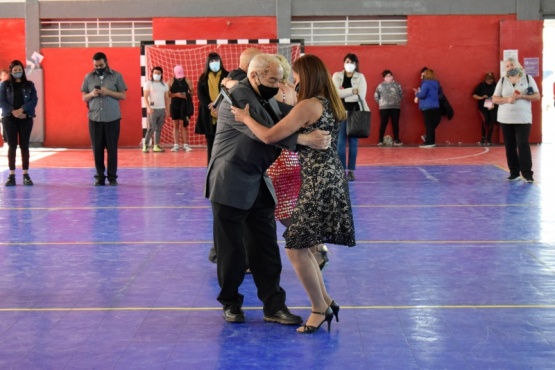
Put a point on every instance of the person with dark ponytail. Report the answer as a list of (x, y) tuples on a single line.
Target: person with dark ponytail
[(18, 100)]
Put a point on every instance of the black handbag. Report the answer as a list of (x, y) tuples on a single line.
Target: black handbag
[(358, 122)]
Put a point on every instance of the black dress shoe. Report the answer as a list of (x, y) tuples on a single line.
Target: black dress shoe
[(233, 314), (284, 317), (113, 182), (99, 182)]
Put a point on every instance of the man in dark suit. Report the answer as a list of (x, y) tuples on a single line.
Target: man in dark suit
[(243, 197)]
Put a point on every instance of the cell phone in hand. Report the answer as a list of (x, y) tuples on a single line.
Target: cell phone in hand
[(227, 96), (97, 87)]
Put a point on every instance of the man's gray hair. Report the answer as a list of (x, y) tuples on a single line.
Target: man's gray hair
[(262, 63)]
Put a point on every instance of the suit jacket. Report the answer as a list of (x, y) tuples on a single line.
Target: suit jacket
[(239, 160)]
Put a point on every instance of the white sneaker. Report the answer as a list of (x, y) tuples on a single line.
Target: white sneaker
[(187, 148), (175, 147)]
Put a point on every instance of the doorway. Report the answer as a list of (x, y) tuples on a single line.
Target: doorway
[(548, 83)]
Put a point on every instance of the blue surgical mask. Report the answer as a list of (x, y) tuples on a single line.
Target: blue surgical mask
[(17, 75), (214, 66)]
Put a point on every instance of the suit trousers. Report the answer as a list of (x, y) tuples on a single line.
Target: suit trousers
[(252, 231), (105, 135)]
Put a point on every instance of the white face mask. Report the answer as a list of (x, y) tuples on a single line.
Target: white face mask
[(214, 66), (157, 77), (349, 67)]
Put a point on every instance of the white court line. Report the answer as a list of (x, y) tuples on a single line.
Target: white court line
[(427, 174)]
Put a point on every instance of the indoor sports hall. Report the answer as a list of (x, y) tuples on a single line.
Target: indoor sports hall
[(454, 266)]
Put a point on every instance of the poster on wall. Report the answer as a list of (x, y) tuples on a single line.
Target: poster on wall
[(513, 53), (532, 66)]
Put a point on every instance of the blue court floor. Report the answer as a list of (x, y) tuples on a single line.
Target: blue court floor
[(454, 268)]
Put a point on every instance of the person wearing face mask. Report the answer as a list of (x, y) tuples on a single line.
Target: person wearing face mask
[(488, 111), (18, 100), (323, 211), (515, 93), (102, 90), (243, 197), (351, 85), (388, 95), (208, 89), (157, 99), (181, 107)]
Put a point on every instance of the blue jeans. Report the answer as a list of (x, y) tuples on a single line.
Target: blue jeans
[(342, 147)]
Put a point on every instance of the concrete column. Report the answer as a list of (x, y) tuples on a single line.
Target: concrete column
[(32, 28)]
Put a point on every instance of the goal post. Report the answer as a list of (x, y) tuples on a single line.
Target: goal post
[(191, 54)]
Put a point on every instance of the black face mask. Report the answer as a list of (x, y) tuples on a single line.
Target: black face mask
[(267, 92), (100, 71)]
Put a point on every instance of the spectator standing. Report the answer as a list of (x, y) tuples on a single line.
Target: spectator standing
[(388, 95), (157, 99), (18, 100), (208, 90), (181, 107), (515, 93), (102, 89), (351, 85), (483, 93), (427, 96)]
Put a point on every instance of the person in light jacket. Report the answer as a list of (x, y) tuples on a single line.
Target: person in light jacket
[(351, 85)]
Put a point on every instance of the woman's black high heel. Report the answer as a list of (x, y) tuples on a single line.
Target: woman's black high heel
[(308, 329), (335, 308)]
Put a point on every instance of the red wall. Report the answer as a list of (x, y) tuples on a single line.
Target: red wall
[(214, 28), (13, 41), (459, 48), (66, 121)]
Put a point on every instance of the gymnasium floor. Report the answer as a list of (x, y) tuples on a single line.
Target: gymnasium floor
[(454, 268)]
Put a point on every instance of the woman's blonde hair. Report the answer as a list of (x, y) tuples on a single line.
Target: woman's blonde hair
[(315, 80), (286, 68)]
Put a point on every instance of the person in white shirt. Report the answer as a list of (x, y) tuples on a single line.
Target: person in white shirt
[(515, 93), (157, 101)]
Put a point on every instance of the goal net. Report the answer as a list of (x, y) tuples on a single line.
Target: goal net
[(191, 54)]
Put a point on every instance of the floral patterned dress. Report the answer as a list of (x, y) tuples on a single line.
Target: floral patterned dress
[(323, 212)]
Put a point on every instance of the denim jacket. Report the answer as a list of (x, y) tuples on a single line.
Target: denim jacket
[(30, 98)]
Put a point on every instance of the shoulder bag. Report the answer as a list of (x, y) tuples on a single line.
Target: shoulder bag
[(358, 122)]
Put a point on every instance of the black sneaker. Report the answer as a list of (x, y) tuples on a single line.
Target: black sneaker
[(27, 180), (113, 182), (11, 180), (529, 179), (99, 182), (513, 177)]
